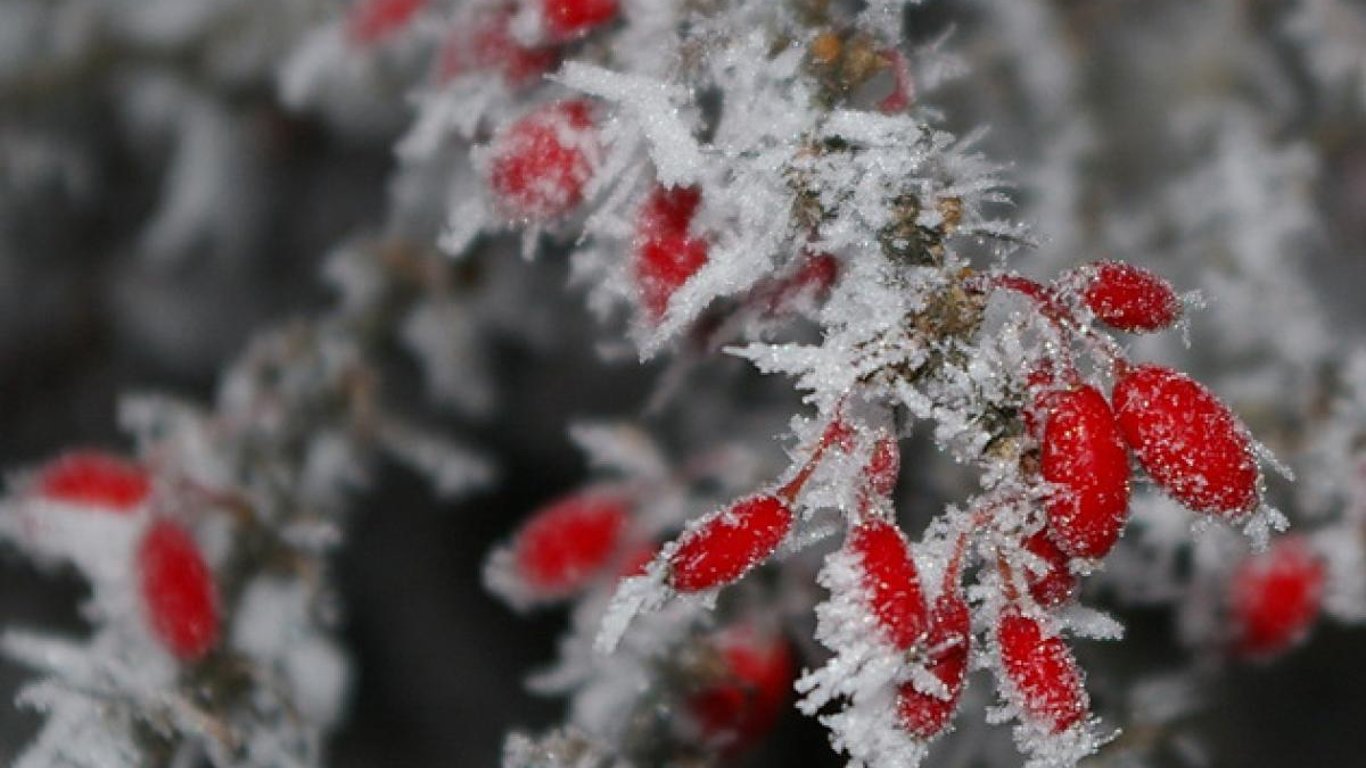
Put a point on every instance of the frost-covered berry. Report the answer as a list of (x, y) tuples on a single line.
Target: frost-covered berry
[(177, 591), (752, 684), (890, 581), (567, 543), (1130, 298), (539, 166), (565, 19), (94, 479), (1083, 455), (1187, 440), (1274, 598), (883, 466), (373, 21), (1045, 679), (1055, 585), (484, 44), (666, 255), (729, 543), (946, 657)]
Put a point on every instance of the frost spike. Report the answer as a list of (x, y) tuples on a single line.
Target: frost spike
[(1042, 672), (1187, 441), (729, 543), (891, 581), (1083, 455)]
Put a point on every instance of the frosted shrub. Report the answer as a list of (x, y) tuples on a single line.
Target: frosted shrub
[(778, 183)]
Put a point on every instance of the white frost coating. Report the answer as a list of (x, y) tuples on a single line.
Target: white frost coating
[(654, 106), (620, 447)]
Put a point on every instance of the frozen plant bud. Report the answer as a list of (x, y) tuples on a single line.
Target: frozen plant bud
[(539, 165), (177, 591), (1084, 457), (1130, 298), (1187, 441)]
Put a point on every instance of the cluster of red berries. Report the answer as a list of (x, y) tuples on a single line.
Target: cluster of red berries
[(174, 582), (587, 538)]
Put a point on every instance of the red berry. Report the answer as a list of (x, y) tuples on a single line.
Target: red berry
[(755, 680), (372, 21), (665, 254), (540, 165), (96, 479), (637, 560), (890, 580), (883, 467), (565, 19), (177, 591), (1130, 298), (570, 541), (814, 277), (729, 543), (485, 44), (1056, 584), (1187, 441), (1275, 597), (1083, 455), (947, 645), (1042, 672)]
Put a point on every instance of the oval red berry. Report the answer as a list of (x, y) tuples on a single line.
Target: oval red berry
[(755, 681), (1130, 298), (883, 467), (566, 19), (666, 255), (1275, 597), (1187, 441), (484, 44), (1042, 672), (540, 165), (729, 543), (374, 21), (566, 544), (1083, 456), (947, 645), (177, 591), (95, 479), (890, 581), (1056, 584)]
